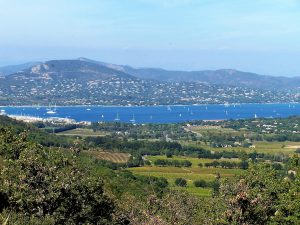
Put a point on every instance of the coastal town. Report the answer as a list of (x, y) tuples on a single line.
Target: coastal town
[(42, 88)]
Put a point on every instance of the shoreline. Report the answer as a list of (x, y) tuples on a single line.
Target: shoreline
[(129, 106)]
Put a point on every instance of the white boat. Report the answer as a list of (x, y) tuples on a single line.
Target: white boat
[(255, 116), (51, 112), (133, 119), (117, 118), (88, 109)]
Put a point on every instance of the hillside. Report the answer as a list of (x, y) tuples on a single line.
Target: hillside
[(7, 70), (227, 77), (83, 81), (223, 77)]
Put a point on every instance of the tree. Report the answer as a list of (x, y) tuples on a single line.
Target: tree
[(200, 183), (253, 198), (187, 163), (46, 183), (181, 182)]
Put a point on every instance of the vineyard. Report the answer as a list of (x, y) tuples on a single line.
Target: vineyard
[(115, 157)]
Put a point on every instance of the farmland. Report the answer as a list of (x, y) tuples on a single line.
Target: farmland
[(115, 157), (83, 132), (191, 174), (275, 147)]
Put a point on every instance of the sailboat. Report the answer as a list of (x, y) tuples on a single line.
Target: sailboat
[(169, 108), (50, 111), (133, 119), (255, 116), (117, 118)]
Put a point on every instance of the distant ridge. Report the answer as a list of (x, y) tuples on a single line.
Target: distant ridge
[(83, 81), (227, 77), (224, 77)]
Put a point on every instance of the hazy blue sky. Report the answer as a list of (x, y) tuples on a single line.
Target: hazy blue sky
[(252, 35)]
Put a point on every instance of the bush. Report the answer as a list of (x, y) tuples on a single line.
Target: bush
[(169, 154), (200, 183), (181, 182)]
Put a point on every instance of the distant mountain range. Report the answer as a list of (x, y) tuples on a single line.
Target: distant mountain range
[(84, 81), (219, 77), (227, 77)]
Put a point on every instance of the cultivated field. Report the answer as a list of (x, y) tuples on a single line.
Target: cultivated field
[(115, 157), (194, 161), (260, 146), (189, 173), (83, 132)]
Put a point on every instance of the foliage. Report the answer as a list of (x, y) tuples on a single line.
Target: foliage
[(181, 182), (39, 183)]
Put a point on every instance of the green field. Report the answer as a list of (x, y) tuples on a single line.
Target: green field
[(83, 132), (260, 146), (189, 173), (275, 147), (212, 129), (194, 161)]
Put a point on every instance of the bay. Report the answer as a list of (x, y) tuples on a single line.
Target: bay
[(159, 114)]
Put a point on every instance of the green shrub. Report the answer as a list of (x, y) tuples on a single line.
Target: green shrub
[(181, 182)]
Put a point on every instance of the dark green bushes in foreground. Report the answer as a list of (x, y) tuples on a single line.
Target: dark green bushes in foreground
[(39, 183)]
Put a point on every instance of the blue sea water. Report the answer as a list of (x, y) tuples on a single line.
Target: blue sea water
[(161, 114)]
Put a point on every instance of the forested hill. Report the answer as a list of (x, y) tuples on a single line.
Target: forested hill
[(83, 81)]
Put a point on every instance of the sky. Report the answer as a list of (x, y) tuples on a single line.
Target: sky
[(261, 36)]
